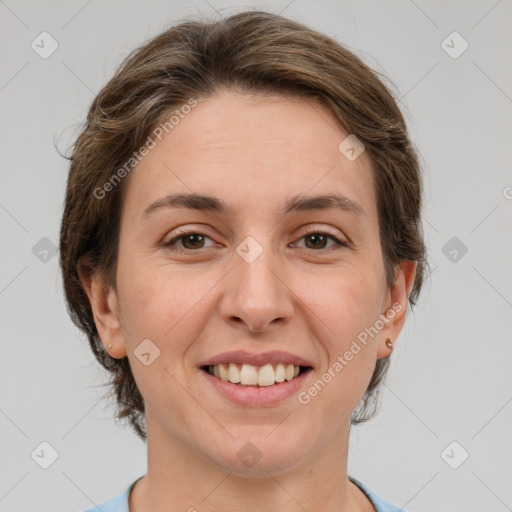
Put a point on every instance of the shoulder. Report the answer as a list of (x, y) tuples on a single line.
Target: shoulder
[(379, 504), (117, 504)]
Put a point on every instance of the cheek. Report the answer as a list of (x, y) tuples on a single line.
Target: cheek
[(163, 305), (347, 308), (351, 308), (160, 301), (351, 302)]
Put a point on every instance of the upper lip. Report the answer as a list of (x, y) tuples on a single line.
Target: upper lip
[(241, 357)]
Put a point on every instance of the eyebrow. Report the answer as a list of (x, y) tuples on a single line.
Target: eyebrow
[(297, 203)]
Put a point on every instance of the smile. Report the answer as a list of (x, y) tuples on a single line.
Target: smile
[(251, 375)]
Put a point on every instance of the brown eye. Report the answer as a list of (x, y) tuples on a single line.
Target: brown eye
[(318, 240), (195, 240), (189, 241)]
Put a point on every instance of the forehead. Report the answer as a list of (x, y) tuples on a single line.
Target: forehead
[(252, 150)]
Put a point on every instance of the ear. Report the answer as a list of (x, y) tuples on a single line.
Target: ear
[(105, 309), (396, 303)]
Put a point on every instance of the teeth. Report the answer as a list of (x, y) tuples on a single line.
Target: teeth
[(280, 373), (234, 374), (266, 375), (249, 375), (289, 372), (222, 371)]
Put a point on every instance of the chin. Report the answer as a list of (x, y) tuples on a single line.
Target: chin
[(258, 456)]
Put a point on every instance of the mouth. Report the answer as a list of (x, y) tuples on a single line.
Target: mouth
[(248, 375)]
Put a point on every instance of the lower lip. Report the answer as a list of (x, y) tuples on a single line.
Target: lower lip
[(255, 396)]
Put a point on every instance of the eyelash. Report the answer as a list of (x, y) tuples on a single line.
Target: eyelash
[(169, 245)]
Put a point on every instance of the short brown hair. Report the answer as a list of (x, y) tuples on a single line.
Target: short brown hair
[(248, 52)]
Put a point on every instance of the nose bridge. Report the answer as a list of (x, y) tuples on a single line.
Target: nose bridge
[(255, 293)]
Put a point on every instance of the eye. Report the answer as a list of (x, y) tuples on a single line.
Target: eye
[(318, 240), (193, 240), (190, 240)]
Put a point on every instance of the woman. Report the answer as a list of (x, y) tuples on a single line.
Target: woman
[(240, 241)]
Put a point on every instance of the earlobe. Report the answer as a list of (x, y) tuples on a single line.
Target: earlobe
[(105, 310), (396, 307)]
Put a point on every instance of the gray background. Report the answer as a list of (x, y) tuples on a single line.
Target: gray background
[(450, 375)]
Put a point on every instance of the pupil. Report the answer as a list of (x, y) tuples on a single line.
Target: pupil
[(316, 237), (195, 239)]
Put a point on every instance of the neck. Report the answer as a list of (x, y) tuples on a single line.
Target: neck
[(181, 479)]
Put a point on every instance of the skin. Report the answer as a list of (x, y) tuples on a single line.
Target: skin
[(254, 152)]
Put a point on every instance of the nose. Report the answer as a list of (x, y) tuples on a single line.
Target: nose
[(255, 295)]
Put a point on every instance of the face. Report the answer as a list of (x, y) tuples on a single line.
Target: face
[(259, 277)]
